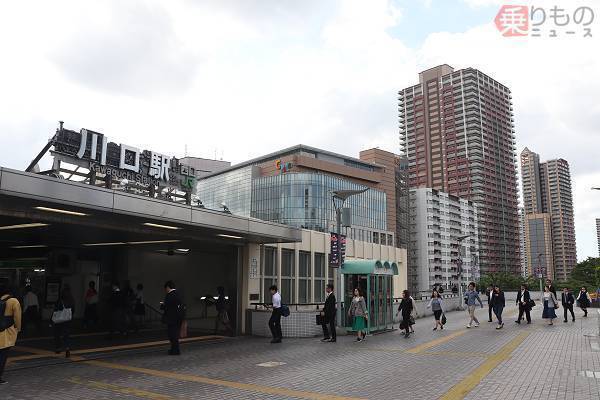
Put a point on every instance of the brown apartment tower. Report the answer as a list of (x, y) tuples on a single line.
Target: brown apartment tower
[(549, 220), (457, 130)]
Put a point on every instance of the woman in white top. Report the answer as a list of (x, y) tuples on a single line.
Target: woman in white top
[(550, 304)]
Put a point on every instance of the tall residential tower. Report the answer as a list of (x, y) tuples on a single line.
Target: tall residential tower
[(458, 133), (548, 202)]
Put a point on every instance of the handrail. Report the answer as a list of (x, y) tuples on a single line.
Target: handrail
[(256, 305)]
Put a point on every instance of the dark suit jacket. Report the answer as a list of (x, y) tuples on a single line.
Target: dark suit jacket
[(171, 308), (568, 299), (329, 309), (523, 297), (498, 299)]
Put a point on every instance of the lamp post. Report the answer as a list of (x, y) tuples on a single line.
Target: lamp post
[(459, 270), (341, 196), (540, 275)]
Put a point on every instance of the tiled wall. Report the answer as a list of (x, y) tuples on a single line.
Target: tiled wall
[(298, 324)]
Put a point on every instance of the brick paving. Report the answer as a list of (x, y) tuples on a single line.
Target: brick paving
[(551, 363)]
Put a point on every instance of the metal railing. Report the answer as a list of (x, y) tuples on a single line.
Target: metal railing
[(317, 306)]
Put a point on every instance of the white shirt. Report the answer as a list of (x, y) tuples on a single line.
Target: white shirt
[(276, 300), (30, 299)]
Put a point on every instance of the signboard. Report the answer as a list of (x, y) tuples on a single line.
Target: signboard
[(121, 161), (253, 272), (283, 167), (337, 241)]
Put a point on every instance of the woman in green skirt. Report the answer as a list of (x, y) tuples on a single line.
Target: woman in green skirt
[(358, 313)]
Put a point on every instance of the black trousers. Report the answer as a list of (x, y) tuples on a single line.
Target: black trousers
[(331, 323), (569, 307), (275, 324), (3, 357), (173, 333), (62, 336), (490, 310), (526, 311)]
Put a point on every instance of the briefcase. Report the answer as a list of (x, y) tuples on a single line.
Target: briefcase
[(319, 319)]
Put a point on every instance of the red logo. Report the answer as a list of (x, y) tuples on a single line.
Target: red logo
[(513, 20)]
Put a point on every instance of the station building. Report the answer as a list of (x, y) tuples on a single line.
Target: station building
[(109, 212)]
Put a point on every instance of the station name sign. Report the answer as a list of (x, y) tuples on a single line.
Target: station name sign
[(122, 161)]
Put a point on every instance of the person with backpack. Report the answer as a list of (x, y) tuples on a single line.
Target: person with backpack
[(62, 324), (10, 325), (275, 320), (173, 316)]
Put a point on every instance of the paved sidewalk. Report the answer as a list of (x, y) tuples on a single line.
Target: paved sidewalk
[(520, 361)]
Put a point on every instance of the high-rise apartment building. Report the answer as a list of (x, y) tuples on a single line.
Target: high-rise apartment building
[(548, 200), (523, 251), (457, 130), (443, 230)]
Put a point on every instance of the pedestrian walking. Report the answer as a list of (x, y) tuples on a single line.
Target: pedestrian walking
[(31, 311), (584, 300), (328, 316), (10, 325), (437, 306), (173, 316), (524, 304), (488, 293), (359, 314), (275, 320), (405, 310), (551, 286), (568, 300), (139, 309), (222, 318), (471, 299), (550, 305), (498, 304), (64, 309), (117, 305), (90, 313), (414, 315)]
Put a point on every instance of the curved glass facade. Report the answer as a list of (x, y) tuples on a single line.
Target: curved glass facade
[(304, 200)]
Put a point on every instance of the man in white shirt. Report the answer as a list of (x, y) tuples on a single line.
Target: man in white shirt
[(31, 309), (275, 320)]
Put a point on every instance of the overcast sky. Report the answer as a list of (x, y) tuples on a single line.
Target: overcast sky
[(239, 78)]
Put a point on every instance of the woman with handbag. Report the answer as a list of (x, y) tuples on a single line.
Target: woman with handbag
[(405, 310), (584, 301), (550, 305), (359, 314), (437, 306), (64, 309)]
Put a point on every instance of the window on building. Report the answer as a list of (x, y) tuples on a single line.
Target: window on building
[(269, 273), (304, 278), (288, 276), (376, 237), (319, 296)]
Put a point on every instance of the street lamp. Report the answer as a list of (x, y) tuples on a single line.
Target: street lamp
[(342, 196), (540, 275), (459, 270)]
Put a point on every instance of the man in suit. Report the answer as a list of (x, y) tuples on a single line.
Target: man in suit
[(523, 301), (567, 302), (488, 293), (328, 315), (172, 317)]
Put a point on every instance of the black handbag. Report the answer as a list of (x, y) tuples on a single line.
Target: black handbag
[(444, 320), (319, 319)]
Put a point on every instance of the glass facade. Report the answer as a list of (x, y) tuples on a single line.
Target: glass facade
[(232, 188), (304, 200)]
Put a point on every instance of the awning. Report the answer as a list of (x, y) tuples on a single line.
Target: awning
[(373, 267)]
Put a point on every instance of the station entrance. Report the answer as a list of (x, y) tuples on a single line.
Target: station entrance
[(375, 280)]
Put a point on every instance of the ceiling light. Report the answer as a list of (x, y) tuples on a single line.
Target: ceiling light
[(161, 226), (229, 236), (103, 244), (32, 246), (61, 211), (154, 241), (22, 226), (182, 250)]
